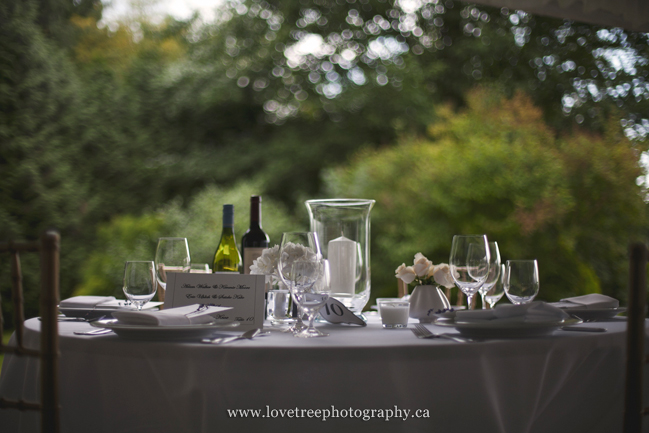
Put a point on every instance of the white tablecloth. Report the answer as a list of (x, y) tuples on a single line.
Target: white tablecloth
[(569, 382)]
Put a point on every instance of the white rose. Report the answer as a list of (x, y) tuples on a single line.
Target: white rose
[(442, 275), (422, 265), (406, 273)]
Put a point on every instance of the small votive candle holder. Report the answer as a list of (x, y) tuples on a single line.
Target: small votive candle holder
[(394, 314), (379, 301)]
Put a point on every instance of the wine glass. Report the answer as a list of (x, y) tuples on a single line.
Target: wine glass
[(171, 255), (494, 272), (469, 263), (521, 281), (311, 289), (496, 291), (296, 246), (139, 282)]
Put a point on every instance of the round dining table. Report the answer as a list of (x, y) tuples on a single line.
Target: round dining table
[(358, 379)]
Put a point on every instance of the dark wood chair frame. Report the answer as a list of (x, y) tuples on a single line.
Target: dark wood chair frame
[(635, 354), (49, 248)]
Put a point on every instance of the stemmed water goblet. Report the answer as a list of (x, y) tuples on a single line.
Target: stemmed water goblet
[(311, 289), (521, 280), (139, 282), (469, 263), (171, 255), (297, 246), (496, 292), (494, 272)]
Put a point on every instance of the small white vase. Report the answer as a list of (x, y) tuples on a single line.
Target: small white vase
[(426, 300)]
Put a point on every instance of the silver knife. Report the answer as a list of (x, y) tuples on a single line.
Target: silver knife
[(580, 329)]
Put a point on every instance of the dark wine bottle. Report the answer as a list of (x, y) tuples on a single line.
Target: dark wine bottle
[(227, 257), (255, 240)]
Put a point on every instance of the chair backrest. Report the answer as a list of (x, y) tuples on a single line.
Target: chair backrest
[(402, 288), (635, 356), (48, 247)]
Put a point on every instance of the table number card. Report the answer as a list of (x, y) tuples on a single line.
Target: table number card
[(244, 293), (334, 311)]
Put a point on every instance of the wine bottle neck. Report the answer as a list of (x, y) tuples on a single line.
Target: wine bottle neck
[(255, 212), (228, 216)]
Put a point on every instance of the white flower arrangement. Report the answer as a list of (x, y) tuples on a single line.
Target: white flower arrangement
[(424, 272), (296, 252), (293, 252), (266, 264)]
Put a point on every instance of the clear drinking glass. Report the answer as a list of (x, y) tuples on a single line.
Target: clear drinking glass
[(469, 263), (521, 281), (494, 272), (296, 246), (310, 290), (139, 282), (277, 306), (496, 292), (171, 255)]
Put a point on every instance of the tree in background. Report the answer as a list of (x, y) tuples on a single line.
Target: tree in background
[(367, 57), (340, 76), (37, 122), (571, 201), (41, 185), (72, 152)]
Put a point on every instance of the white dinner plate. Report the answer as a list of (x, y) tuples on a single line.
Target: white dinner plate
[(505, 329), (166, 333), (595, 313), (94, 313)]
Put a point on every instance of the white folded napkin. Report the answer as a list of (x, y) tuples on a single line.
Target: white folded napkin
[(537, 311), (86, 301), (188, 315), (122, 304), (591, 301)]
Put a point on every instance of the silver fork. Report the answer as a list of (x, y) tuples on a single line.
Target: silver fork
[(249, 335), (583, 320), (100, 331), (421, 331)]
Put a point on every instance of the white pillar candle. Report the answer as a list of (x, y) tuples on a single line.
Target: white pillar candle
[(342, 259)]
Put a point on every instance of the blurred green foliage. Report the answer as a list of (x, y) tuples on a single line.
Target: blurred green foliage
[(570, 201), (128, 237), (117, 134)]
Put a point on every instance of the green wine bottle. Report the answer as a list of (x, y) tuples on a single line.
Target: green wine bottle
[(227, 257)]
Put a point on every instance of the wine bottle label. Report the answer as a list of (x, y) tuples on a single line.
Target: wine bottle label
[(249, 256)]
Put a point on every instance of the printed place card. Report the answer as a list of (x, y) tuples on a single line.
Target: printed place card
[(244, 293)]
